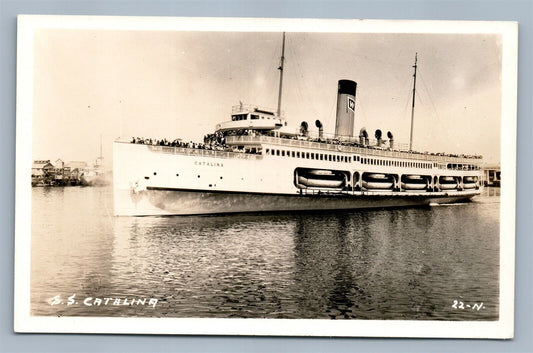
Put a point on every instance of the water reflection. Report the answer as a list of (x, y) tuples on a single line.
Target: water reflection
[(379, 264)]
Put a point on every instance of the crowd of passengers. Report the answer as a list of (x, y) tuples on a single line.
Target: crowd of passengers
[(217, 142), (211, 142)]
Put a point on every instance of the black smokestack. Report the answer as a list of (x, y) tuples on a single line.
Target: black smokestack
[(345, 108)]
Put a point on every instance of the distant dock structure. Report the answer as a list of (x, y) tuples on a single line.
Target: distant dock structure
[(58, 173), (492, 175)]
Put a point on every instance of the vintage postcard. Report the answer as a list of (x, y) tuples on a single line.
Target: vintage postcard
[(289, 177)]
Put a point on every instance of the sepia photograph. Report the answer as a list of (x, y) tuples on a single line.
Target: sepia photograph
[(283, 177)]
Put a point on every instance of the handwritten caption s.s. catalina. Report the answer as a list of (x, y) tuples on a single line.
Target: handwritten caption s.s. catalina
[(73, 300)]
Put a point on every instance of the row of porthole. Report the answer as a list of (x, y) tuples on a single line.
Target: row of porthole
[(179, 175), (198, 177)]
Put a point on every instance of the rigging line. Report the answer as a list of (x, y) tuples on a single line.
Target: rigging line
[(429, 95), (302, 84), (408, 100)]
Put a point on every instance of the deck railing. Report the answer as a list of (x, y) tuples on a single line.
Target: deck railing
[(203, 152), (372, 151)]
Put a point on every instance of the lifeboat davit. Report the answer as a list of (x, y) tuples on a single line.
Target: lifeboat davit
[(376, 176), (448, 183), (413, 186), (470, 179), (377, 185), (317, 183), (377, 181), (448, 186), (448, 179), (320, 172), (414, 178), (415, 182)]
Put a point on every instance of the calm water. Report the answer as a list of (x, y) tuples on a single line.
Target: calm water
[(374, 264)]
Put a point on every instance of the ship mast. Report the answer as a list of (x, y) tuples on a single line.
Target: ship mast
[(280, 68), (413, 106), (101, 157)]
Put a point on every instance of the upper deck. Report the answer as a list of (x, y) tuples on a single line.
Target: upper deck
[(245, 116), (368, 151)]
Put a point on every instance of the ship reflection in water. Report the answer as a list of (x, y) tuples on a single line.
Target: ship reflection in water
[(417, 263)]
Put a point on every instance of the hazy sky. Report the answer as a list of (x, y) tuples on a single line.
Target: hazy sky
[(92, 83)]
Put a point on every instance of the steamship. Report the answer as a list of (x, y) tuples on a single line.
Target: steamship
[(255, 162)]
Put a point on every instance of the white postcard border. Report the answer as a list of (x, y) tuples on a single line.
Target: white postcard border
[(24, 322)]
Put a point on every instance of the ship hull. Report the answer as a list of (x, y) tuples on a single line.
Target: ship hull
[(155, 180), (166, 202)]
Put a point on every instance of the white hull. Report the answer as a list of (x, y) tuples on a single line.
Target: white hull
[(154, 180)]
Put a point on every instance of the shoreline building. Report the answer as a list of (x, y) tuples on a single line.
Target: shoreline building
[(492, 175)]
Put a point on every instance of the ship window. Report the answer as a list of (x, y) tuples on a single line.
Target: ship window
[(155, 173), (307, 155), (255, 117), (277, 152), (283, 153), (267, 151), (298, 154)]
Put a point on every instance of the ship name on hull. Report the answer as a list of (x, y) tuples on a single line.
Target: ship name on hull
[(209, 164)]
